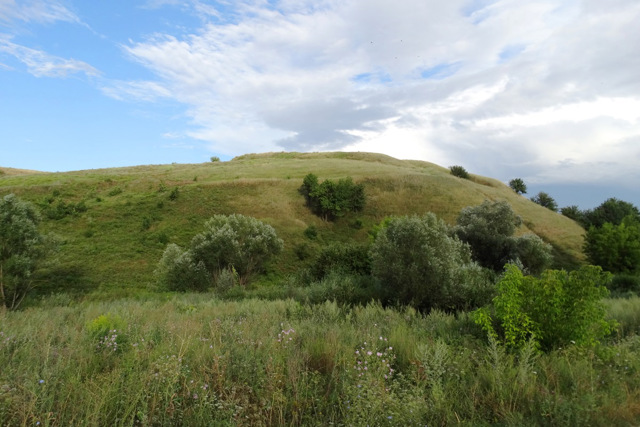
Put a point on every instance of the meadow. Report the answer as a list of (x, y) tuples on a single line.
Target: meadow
[(98, 343), (197, 359)]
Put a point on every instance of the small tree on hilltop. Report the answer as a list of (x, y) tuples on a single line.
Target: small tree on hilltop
[(543, 199), (22, 249), (518, 185), (459, 171)]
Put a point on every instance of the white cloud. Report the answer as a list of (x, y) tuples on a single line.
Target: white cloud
[(42, 64), (546, 87), (36, 10)]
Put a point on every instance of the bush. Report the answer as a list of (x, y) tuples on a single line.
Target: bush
[(545, 200), (489, 229), (179, 271), (236, 242), (616, 248), (344, 258), (574, 213), (558, 309), (23, 249), (330, 199), (421, 263), (459, 171)]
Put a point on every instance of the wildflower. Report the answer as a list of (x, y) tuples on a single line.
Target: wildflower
[(378, 354), (369, 353), (41, 381)]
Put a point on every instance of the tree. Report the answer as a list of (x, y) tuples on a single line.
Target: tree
[(518, 185), (22, 249), (616, 248), (331, 199), (543, 199), (574, 213), (459, 171), (489, 230), (421, 263), (612, 211), (236, 242)]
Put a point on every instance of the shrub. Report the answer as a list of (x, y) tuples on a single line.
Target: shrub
[(459, 171), (421, 263), (311, 232), (616, 248), (331, 199), (573, 212), (215, 159), (179, 271), (235, 242), (344, 258), (23, 249), (489, 229), (545, 200), (108, 332), (557, 309)]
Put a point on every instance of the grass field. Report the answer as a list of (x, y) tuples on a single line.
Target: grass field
[(111, 245), (196, 360)]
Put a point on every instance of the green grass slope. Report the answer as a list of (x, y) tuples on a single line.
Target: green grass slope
[(115, 223)]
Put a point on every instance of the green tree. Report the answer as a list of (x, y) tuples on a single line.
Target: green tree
[(557, 309), (616, 248), (612, 211), (574, 213), (331, 199), (459, 171), (22, 249), (421, 263), (518, 185), (236, 243), (544, 199), (489, 230)]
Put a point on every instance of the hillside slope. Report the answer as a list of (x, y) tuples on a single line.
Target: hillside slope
[(115, 223)]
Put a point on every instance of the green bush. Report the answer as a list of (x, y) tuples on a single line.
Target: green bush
[(342, 257), (179, 271), (23, 249), (108, 332), (489, 230), (459, 171), (545, 200), (421, 263), (235, 242), (330, 199), (518, 185), (616, 248), (555, 310)]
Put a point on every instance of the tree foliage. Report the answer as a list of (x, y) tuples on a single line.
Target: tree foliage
[(544, 199), (489, 230), (557, 309), (331, 199), (573, 212), (22, 249), (518, 185), (615, 247), (613, 211), (421, 263), (459, 171), (236, 243)]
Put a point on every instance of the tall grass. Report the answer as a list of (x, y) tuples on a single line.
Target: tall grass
[(195, 360)]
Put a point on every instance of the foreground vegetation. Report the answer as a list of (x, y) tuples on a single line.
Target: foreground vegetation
[(194, 359)]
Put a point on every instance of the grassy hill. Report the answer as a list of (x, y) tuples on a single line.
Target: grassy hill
[(115, 223)]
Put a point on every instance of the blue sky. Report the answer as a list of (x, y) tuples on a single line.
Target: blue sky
[(545, 90)]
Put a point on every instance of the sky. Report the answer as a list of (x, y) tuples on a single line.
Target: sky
[(543, 90)]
